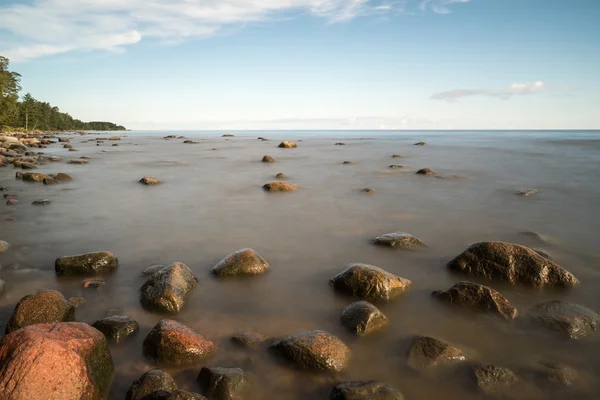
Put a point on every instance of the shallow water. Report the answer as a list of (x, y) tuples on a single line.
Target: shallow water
[(211, 203)]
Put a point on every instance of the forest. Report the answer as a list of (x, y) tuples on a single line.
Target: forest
[(28, 114)]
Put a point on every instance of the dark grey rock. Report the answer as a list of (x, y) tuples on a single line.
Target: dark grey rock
[(365, 390), (362, 318), (117, 328)]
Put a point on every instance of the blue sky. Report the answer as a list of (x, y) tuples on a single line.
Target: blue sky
[(311, 64)]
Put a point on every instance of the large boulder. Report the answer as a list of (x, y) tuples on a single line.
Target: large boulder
[(280, 187), (314, 350), (287, 145), (572, 320), (427, 352), (365, 390), (151, 383), (173, 343), (479, 298), (399, 240), (362, 318), (86, 264), (167, 289), (222, 383), (62, 361), (244, 262), (117, 328), (45, 307), (370, 282), (513, 263)]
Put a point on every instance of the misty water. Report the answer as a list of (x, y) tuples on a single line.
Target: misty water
[(210, 203)]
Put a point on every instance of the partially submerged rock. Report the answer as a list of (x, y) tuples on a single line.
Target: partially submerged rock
[(220, 383), (173, 343), (314, 350), (167, 289), (427, 352), (281, 175), (4, 246), (396, 166), (420, 144), (86, 264), (248, 339), (399, 240), (45, 307), (79, 161), (151, 383), (368, 191), (117, 328), (340, 144), (62, 177), (527, 192), (151, 270), (425, 171), (560, 374), (572, 320), (280, 187), (244, 262), (287, 145), (63, 361), (495, 381), (34, 177), (365, 390), (478, 298), (41, 202), (268, 159), (148, 180), (513, 263), (362, 318), (370, 282)]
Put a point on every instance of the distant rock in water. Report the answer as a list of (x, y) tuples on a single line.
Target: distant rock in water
[(340, 144), (148, 180), (167, 289), (362, 318), (347, 162), (244, 262), (287, 145), (368, 191), (427, 352), (151, 383), (370, 282), (50, 181), (4, 246), (365, 390), (42, 202), (190, 142), (220, 383), (86, 264), (268, 159), (281, 175), (280, 187), (497, 382), (228, 135), (420, 144), (34, 177), (513, 263), (61, 177), (78, 161), (396, 166), (248, 339), (117, 328), (478, 298), (425, 171), (572, 320), (45, 307), (399, 240), (527, 192), (396, 156)]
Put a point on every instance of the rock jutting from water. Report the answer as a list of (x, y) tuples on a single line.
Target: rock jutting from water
[(151, 384), (396, 166), (362, 318), (220, 383), (167, 289), (427, 352), (365, 390), (78, 162), (148, 180), (151, 270), (527, 192), (280, 187), (268, 159), (281, 175), (117, 328), (571, 320), (425, 171), (513, 263), (45, 307), (368, 191), (250, 340), (86, 264), (399, 240), (34, 177), (244, 262), (4, 246), (287, 145), (369, 282), (420, 144), (495, 381)]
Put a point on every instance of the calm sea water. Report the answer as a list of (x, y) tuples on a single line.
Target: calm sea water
[(211, 203)]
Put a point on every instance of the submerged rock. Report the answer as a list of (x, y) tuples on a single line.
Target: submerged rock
[(4, 246), (368, 191), (50, 181), (527, 192), (281, 175), (369, 281), (148, 180), (173, 343), (396, 166), (494, 381), (362, 318), (347, 162), (117, 328), (426, 171), (573, 320), (396, 156), (287, 145), (513, 263), (63, 361), (314, 350), (222, 383), (42, 202), (167, 290), (78, 162), (244, 262), (248, 339), (86, 264), (280, 187), (479, 298), (560, 374), (420, 144), (62, 177), (153, 382), (34, 177), (427, 352), (45, 307), (340, 144), (365, 390), (399, 240), (268, 159)]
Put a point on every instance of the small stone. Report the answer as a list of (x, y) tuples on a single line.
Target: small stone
[(227, 135), (12, 202), (43, 202), (148, 180), (527, 192), (222, 383), (115, 138), (281, 175), (244, 262), (396, 166), (396, 156), (73, 149), (115, 144), (166, 290), (340, 144), (77, 301), (399, 240), (268, 159), (363, 318), (117, 328), (280, 187), (494, 381), (370, 282), (4, 246), (347, 162), (248, 339), (287, 145), (63, 140), (427, 352), (150, 383), (365, 390), (425, 171), (68, 146), (19, 175), (94, 284), (420, 144), (61, 177)]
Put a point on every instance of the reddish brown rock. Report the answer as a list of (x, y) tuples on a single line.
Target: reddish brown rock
[(280, 187), (369, 281), (244, 262), (45, 307), (148, 180), (362, 318), (61, 177)]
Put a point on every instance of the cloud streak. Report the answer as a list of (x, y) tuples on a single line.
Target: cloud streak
[(515, 89)]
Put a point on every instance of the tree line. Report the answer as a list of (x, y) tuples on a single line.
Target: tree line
[(31, 114)]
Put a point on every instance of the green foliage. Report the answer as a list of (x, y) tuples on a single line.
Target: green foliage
[(31, 114)]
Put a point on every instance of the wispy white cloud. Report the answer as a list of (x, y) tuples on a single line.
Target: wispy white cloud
[(35, 28), (515, 89), (439, 6)]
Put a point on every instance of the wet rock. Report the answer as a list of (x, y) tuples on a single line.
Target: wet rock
[(61, 177), (560, 374), (347, 162), (227, 135), (84, 264), (479, 298), (280, 187), (368, 191), (173, 343), (117, 328), (314, 350), (287, 145), (572, 320), (50, 181), (244, 262), (78, 161), (45, 307), (365, 390), (167, 290), (340, 144), (115, 145), (19, 175), (64, 361), (55, 158), (425, 171), (527, 192), (399, 240), (420, 144), (12, 202), (151, 270), (248, 339), (369, 281), (84, 158), (495, 381), (268, 159), (26, 165), (115, 138), (42, 202), (34, 177), (222, 383), (11, 196), (94, 284), (4, 246), (63, 140), (363, 318), (68, 146), (181, 394), (512, 263), (427, 352), (151, 383), (281, 175), (396, 156), (396, 166), (148, 180)]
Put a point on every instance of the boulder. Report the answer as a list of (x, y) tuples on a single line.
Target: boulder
[(495, 381), (4, 246), (370, 282), (365, 390), (62, 361), (287, 145), (478, 298), (45, 307), (314, 350), (115, 138), (220, 383), (248, 339), (280, 187), (281, 175), (148, 180), (34, 177), (399, 240), (268, 159), (50, 181), (61, 177), (167, 289), (26, 165), (173, 343), (513, 263), (68, 146), (425, 171), (86, 264), (420, 144), (153, 382), (117, 328), (362, 318), (572, 320), (244, 262), (427, 352), (151, 270)]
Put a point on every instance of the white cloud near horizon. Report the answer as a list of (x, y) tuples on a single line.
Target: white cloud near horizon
[(515, 89), (37, 28)]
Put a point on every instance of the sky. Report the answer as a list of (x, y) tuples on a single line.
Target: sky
[(311, 64)]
